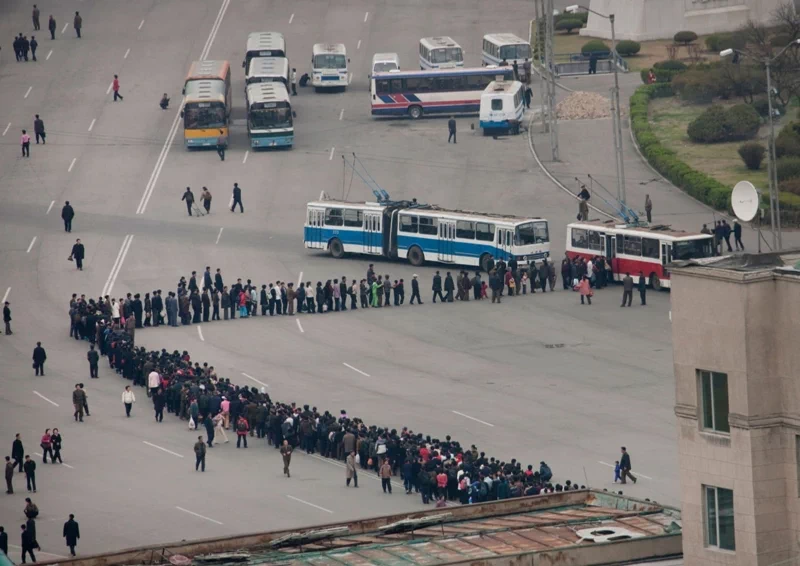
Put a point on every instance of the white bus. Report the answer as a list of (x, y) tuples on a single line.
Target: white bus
[(263, 44), (499, 47), (502, 107), (385, 63), (329, 66), (267, 70), (269, 116), (439, 53)]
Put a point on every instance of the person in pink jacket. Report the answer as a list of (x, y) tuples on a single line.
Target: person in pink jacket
[(585, 290), (25, 142)]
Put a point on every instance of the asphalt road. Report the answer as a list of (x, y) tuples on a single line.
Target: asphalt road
[(535, 378)]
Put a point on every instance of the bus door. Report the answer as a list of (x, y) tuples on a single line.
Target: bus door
[(373, 238), (505, 238), (611, 254), (666, 256), (316, 218), (447, 236)]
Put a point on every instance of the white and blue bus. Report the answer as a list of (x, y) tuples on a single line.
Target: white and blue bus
[(263, 44), (499, 47), (441, 91), (423, 233), (440, 53), (269, 116), (329, 66), (502, 107)]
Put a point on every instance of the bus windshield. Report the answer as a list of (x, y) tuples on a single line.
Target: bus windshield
[(384, 67), (531, 233), (266, 118), (203, 115), (509, 52), (446, 55), (691, 249), (330, 61)]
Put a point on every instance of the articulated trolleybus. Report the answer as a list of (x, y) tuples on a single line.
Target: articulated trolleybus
[(423, 233), (631, 248)]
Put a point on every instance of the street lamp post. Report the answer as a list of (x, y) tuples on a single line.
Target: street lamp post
[(774, 195), (617, 117)]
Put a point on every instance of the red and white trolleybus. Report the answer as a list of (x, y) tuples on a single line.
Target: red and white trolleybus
[(632, 248)]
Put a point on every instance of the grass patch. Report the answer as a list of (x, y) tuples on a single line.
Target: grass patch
[(670, 118)]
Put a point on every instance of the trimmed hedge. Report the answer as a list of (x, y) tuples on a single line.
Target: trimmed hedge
[(717, 42), (626, 47), (671, 65), (685, 37), (788, 168), (595, 46), (752, 153), (569, 24)]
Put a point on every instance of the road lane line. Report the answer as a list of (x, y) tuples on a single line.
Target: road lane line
[(72, 164), (151, 184), (219, 235), (246, 153), (141, 24), (341, 114), (49, 208), (474, 419), (300, 326), (30, 88), (350, 78), (613, 466), (67, 466), (128, 52), (366, 15), (92, 124), (291, 18), (359, 44), (5, 295), (200, 333), (331, 156), (48, 55), (42, 396), (112, 277), (111, 84), (162, 449), (300, 279), (30, 247), (254, 379), (309, 504), (197, 515), (7, 127), (64, 29), (356, 369)]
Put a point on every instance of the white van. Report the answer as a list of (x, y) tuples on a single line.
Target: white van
[(329, 66), (502, 107), (385, 63)]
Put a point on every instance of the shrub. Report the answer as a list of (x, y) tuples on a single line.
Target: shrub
[(595, 46), (670, 65), (787, 143), (788, 167), (708, 127), (790, 186), (761, 105), (662, 75), (717, 42), (568, 24), (626, 47), (741, 122), (752, 153), (685, 37), (695, 87)]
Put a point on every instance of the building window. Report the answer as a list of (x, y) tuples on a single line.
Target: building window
[(714, 392), (719, 518)]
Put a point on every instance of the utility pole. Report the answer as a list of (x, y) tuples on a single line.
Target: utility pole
[(617, 117), (774, 205), (551, 75), (538, 50)]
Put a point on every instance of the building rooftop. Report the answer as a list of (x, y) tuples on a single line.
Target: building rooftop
[(786, 262)]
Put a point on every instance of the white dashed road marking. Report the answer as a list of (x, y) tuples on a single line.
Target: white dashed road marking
[(49, 208), (92, 124), (163, 449), (30, 247), (473, 419), (299, 326), (309, 504), (254, 379), (219, 235), (356, 369), (72, 164), (330, 158), (197, 515), (36, 392), (48, 55), (30, 88)]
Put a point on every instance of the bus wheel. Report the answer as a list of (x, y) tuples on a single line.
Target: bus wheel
[(415, 256), (415, 112), (655, 282), (336, 248), (484, 262)]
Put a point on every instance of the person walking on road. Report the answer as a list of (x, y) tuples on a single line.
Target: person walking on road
[(17, 452), (350, 469), (39, 357), (642, 286), (77, 402), (237, 198), (25, 142), (115, 87), (200, 455), (385, 473), (28, 544), (55, 443), (71, 533), (30, 475), (294, 81), (627, 289), (93, 356), (46, 445), (437, 287), (205, 196), (7, 317), (415, 290), (34, 46), (451, 127), (35, 18), (648, 208), (221, 145), (77, 23), (38, 129), (242, 429), (85, 399), (67, 214), (128, 399), (585, 289), (625, 466), (286, 453), (188, 196), (78, 252), (9, 475), (51, 25)]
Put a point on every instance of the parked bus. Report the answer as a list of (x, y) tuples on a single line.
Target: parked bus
[(385, 62), (631, 249), (267, 70), (423, 233), (440, 53), (329, 66), (499, 47), (502, 107), (442, 91), (269, 116), (207, 103), (263, 44)]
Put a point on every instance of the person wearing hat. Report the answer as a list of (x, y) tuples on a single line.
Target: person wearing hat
[(7, 317), (415, 290)]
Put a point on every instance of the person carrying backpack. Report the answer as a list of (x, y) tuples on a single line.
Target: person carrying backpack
[(242, 428)]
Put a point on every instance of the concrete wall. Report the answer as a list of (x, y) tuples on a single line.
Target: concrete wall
[(642, 20), (742, 324)]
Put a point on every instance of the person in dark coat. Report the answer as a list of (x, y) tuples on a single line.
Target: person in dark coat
[(207, 284), (38, 130), (39, 357), (157, 305), (172, 309), (437, 287), (7, 317), (72, 533), (51, 25), (448, 287), (17, 452), (544, 275), (34, 46), (78, 252), (3, 541), (218, 281), (206, 301), (136, 308), (642, 286), (28, 544), (415, 290), (94, 359), (197, 304)]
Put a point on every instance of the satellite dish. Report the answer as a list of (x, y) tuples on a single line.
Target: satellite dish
[(744, 200)]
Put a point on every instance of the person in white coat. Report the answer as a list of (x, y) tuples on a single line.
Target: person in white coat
[(153, 382), (115, 311), (128, 399), (219, 425)]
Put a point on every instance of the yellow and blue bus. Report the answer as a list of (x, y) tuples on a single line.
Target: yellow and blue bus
[(207, 103)]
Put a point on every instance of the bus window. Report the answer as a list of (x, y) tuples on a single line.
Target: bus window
[(650, 248), (203, 115), (408, 224), (633, 245), (428, 226), (333, 216), (595, 240), (497, 104), (382, 87), (465, 229), (579, 238), (397, 85), (536, 233), (353, 218), (484, 232), (691, 249)]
